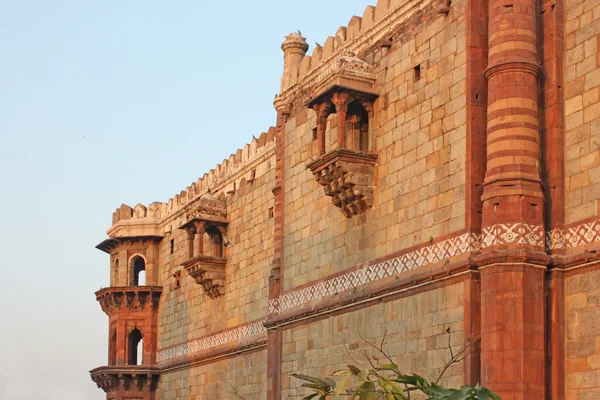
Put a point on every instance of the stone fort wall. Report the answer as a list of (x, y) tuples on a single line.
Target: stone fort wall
[(404, 253)]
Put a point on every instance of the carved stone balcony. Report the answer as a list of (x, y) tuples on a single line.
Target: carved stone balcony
[(114, 299), (126, 378), (348, 177), (209, 272)]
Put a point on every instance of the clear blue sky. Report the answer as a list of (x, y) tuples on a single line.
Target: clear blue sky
[(104, 102)]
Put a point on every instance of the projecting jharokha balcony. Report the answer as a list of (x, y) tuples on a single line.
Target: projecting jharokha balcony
[(209, 272), (125, 378), (206, 229), (112, 299), (347, 171)]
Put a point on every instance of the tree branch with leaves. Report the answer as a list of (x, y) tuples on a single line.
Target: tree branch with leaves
[(383, 380)]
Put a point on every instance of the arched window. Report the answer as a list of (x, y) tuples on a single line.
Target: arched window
[(139, 271), (135, 347), (113, 348), (115, 272), (357, 127)]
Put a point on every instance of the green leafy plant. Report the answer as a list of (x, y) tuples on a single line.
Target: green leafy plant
[(385, 381)]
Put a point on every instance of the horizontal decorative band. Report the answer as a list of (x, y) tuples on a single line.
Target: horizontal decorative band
[(512, 234), (500, 234), (568, 238), (467, 242), (194, 346)]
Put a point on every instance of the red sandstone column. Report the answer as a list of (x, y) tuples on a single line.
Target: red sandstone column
[(340, 100), (191, 233), (200, 230), (274, 336), (322, 114), (513, 261)]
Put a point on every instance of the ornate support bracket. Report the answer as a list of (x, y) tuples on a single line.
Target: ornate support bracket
[(125, 378), (112, 299), (209, 272), (348, 178)]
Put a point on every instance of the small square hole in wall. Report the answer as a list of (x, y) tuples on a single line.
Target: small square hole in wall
[(314, 134), (271, 212), (172, 246), (417, 70)]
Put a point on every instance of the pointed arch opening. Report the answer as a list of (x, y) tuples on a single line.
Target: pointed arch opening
[(135, 347), (138, 268)]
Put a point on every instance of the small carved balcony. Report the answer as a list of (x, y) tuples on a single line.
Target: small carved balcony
[(347, 177), (114, 299), (206, 227), (209, 272), (125, 378)]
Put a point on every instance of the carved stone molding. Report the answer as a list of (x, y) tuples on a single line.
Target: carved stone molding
[(209, 272), (114, 299), (348, 178), (125, 378)]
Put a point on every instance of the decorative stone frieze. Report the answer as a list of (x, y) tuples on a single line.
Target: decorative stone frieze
[(209, 272), (132, 378), (113, 299), (347, 177)]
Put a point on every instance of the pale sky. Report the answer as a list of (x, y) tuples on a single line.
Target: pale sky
[(110, 102)]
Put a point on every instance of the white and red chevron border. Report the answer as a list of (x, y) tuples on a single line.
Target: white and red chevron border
[(194, 346), (567, 238), (467, 242)]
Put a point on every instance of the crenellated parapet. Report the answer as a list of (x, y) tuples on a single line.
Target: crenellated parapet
[(301, 80), (243, 166)]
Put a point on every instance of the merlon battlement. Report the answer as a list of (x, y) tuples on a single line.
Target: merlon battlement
[(227, 177)]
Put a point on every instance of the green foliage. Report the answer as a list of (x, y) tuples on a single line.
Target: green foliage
[(387, 382)]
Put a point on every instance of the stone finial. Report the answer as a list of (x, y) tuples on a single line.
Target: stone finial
[(294, 48), (295, 41)]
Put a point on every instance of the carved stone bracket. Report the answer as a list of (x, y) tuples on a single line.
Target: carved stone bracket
[(209, 272), (113, 299), (348, 178), (125, 378)]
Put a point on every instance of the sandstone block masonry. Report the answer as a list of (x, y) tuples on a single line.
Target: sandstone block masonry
[(433, 166)]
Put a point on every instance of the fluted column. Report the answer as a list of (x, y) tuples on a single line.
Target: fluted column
[(513, 261)]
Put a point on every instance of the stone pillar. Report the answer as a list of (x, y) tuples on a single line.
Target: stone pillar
[(322, 110), (274, 336), (191, 233), (340, 100), (200, 230), (294, 48), (513, 260)]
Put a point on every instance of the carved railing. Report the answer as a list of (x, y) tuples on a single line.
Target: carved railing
[(126, 378), (113, 299)]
